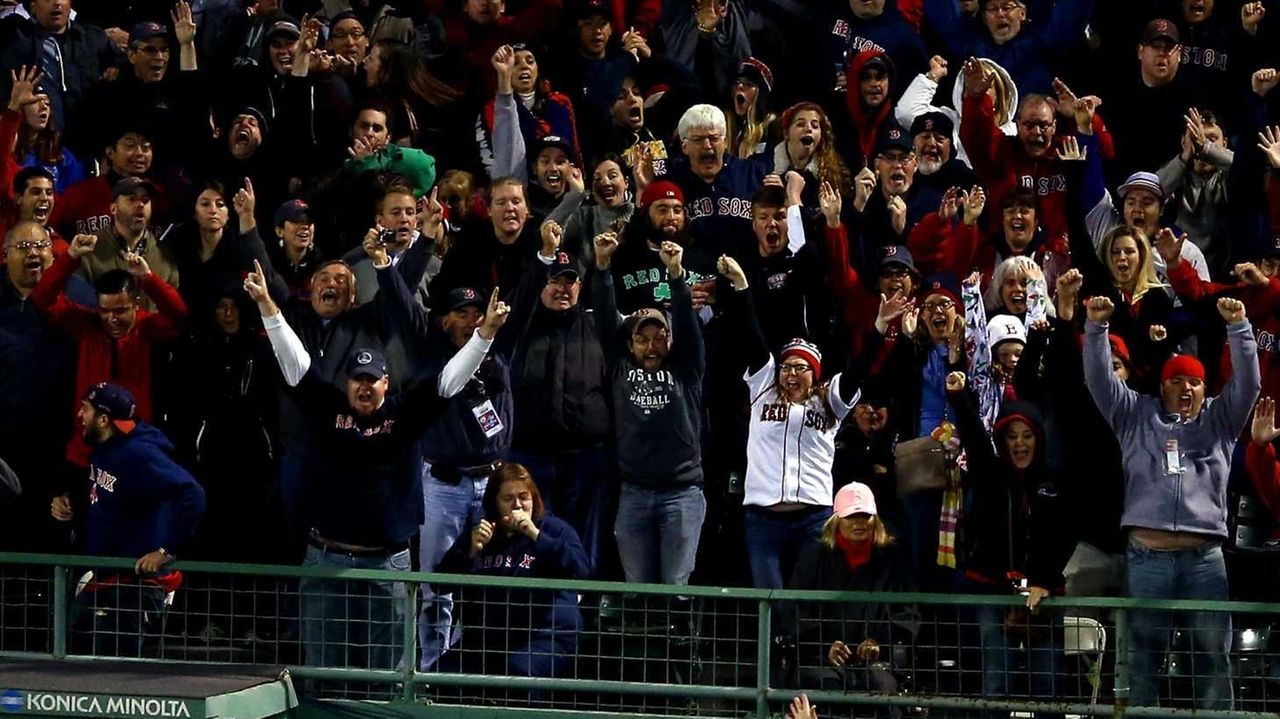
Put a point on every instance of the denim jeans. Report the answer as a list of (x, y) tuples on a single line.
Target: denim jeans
[(775, 539), (657, 531), (572, 485), (1040, 637), (1198, 573), (117, 620), (451, 509), (353, 623)]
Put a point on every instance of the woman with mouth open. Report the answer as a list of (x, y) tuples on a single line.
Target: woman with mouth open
[(809, 147), (791, 437), (26, 126), (610, 210), (1016, 542)]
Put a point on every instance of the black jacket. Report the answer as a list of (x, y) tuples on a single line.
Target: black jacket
[(819, 624), (1015, 521), (560, 381), (84, 51)]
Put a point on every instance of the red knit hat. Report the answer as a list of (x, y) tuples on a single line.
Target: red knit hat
[(1121, 349), (661, 190), (1182, 365), (806, 351)]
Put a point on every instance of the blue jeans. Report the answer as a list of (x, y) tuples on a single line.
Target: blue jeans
[(450, 510), (572, 485), (353, 623), (1040, 636), (1198, 573), (117, 620), (775, 539), (657, 532)]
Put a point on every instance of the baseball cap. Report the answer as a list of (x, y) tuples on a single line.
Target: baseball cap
[(1159, 29), (1142, 180), (1005, 328), (130, 185), (366, 362), (893, 137), (144, 31), (897, 254), (564, 264), (877, 62), (932, 122), (757, 73), (1272, 250), (644, 316), (284, 27), (661, 190), (943, 283), (292, 211), (466, 297), (854, 498), (116, 402), (548, 142), (587, 9)]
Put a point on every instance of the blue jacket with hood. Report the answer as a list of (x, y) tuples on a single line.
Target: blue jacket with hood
[(140, 499)]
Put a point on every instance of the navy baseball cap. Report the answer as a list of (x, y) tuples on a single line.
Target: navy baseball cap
[(587, 9), (145, 31), (564, 264), (897, 254), (893, 137), (130, 185), (367, 362), (548, 142), (466, 297), (932, 122), (292, 211), (114, 401), (284, 26)]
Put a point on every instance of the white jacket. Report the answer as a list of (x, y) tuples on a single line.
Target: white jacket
[(918, 99)]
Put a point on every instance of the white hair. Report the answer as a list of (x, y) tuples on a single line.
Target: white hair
[(701, 116), (1020, 265)]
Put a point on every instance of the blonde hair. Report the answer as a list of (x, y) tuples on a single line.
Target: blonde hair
[(832, 527), (1003, 101), (1146, 278), (753, 133)]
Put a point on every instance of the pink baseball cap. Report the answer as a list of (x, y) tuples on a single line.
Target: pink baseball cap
[(854, 498)]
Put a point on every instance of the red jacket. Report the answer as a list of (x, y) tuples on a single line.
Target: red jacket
[(125, 361), (1261, 305), (939, 245), (859, 306), (10, 123), (1260, 462), (1001, 165), (867, 126), (85, 208), (477, 43)]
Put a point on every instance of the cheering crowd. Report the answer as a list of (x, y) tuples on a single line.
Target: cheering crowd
[(972, 296)]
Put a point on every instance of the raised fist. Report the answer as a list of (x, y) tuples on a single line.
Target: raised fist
[(1099, 309)]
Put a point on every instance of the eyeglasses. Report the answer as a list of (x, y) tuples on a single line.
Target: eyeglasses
[(704, 139), (1037, 125), (353, 34), (894, 272), (31, 246), (1002, 8), (898, 159), (938, 306), (794, 369), (153, 50)]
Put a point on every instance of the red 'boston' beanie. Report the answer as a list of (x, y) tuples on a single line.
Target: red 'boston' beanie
[(1180, 365)]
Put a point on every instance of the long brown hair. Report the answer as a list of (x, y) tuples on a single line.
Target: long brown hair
[(402, 69), (45, 144), (831, 168)]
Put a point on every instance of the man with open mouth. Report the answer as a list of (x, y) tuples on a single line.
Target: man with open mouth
[(1177, 449)]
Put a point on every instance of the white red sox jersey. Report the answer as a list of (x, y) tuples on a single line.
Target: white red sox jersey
[(790, 447)]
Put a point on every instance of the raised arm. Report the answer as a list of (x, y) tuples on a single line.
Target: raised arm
[(973, 435), (1260, 455), (171, 311), (604, 304), (742, 310), (291, 354), (687, 348), (508, 142), (463, 365), (1231, 407), (1114, 399)]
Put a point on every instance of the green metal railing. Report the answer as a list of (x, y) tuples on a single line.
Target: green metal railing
[(732, 612)]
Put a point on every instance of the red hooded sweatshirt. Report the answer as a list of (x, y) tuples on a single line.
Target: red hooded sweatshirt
[(867, 124)]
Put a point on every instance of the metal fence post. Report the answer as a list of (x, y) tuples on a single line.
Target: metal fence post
[(410, 639), (763, 646), (1122, 661), (60, 614)]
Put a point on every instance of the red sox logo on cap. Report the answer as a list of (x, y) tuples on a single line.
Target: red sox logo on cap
[(469, 294), (1160, 26), (562, 257), (894, 133), (892, 250)]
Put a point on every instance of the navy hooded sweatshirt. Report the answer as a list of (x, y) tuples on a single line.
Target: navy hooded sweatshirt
[(140, 500)]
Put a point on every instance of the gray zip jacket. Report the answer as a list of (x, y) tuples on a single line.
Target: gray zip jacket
[(1194, 499)]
